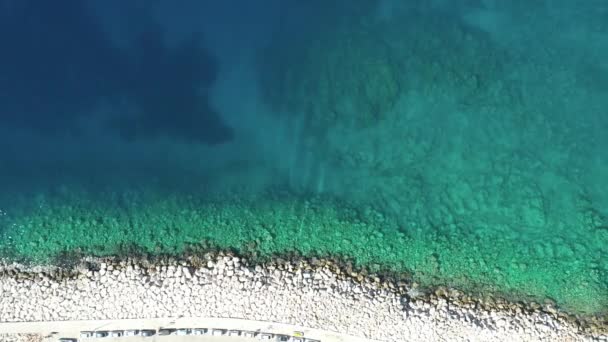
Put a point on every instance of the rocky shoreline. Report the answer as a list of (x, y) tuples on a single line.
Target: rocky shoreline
[(317, 293)]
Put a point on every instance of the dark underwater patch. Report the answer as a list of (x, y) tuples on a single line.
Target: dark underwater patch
[(58, 65)]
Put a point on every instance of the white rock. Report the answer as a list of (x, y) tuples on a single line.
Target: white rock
[(364, 310)]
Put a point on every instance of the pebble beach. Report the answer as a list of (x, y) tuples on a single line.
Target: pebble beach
[(314, 293)]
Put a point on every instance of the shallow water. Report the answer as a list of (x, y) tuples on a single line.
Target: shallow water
[(463, 143)]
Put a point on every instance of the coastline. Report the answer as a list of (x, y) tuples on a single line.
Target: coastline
[(318, 293)]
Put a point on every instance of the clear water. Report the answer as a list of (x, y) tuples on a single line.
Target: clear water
[(461, 142)]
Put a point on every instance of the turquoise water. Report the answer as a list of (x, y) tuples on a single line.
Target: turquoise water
[(458, 143)]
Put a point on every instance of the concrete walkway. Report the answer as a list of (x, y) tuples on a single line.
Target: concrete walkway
[(72, 329)]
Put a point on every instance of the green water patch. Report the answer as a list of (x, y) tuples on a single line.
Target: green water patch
[(483, 260)]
